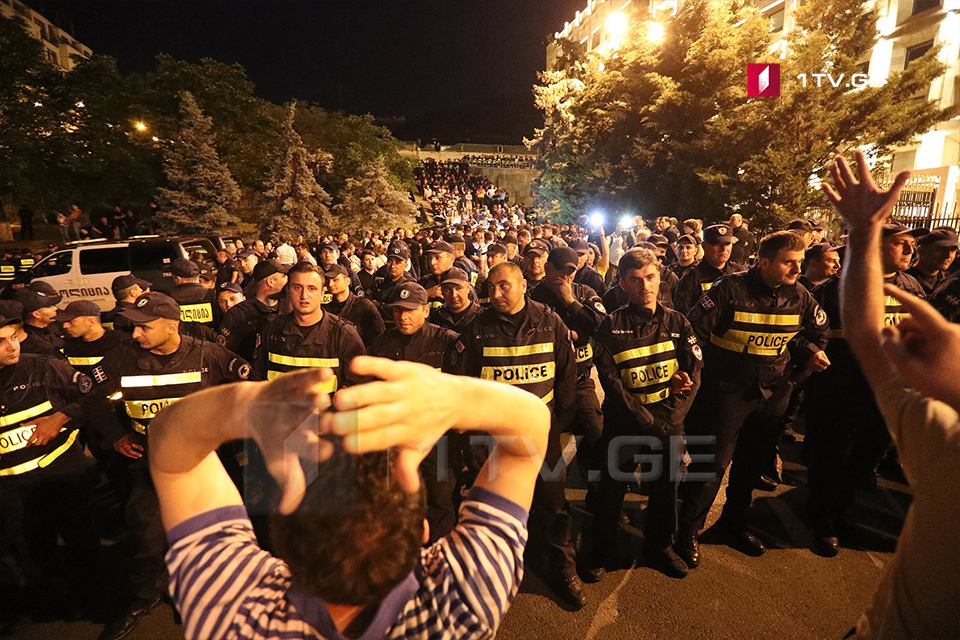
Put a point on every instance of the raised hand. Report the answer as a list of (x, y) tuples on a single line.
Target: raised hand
[(858, 199)]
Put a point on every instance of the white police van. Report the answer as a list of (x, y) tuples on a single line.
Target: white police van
[(85, 270)]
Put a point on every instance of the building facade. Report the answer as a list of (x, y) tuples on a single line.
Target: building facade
[(907, 29), (58, 45)]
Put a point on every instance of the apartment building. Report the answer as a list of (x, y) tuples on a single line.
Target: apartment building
[(58, 45)]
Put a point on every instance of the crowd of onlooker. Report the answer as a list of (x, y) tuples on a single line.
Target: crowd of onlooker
[(453, 194), (498, 160)]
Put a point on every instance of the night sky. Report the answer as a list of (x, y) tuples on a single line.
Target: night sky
[(457, 70)]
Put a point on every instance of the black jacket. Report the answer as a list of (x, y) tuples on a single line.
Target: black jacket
[(582, 317), (242, 326), (362, 313), (695, 282), (432, 345)]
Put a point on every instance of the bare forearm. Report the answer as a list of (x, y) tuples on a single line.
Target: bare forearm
[(862, 301)]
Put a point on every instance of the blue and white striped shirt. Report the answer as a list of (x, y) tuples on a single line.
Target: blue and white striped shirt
[(226, 586)]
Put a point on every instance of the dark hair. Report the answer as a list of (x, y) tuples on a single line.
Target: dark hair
[(356, 535), (637, 259), (305, 267), (779, 241)]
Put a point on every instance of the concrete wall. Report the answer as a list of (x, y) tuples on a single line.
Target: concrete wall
[(516, 182)]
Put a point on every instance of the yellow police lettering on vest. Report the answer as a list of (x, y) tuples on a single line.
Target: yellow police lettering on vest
[(16, 439), (520, 373), (767, 340), (146, 409), (584, 353), (648, 374), (196, 312)]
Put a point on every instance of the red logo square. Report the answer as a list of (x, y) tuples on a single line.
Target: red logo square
[(763, 80)]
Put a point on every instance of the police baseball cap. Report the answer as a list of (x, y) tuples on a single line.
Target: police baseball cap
[(11, 312), (719, 234), (440, 247), (509, 239), (330, 246), (537, 246), (564, 259), (185, 268), (398, 249), (688, 239), (658, 240), (335, 270), (649, 246), (798, 224), (265, 269), (495, 248), (895, 229), (579, 245), (125, 282), (78, 309), (231, 287), (817, 250), (243, 254), (152, 306), (455, 276), (940, 238), (205, 272), (32, 299), (409, 295), (453, 239)]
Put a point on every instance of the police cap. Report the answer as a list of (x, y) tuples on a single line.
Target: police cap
[(719, 234), (151, 306), (409, 295), (185, 268), (78, 309)]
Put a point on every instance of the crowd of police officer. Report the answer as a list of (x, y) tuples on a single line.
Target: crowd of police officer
[(703, 364)]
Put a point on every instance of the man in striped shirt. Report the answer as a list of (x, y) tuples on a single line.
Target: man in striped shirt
[(350, 560)]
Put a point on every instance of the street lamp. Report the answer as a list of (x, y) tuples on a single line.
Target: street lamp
[(616, 26), (655, 32), (140, 126)]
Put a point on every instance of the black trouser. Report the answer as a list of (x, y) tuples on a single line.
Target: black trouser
[(439, 472), (720, 411), (36, 508), (148, 573), (550, 521), (847, 436), (623, 452), (587, 424)]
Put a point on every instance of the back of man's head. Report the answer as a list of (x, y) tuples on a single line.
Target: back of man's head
[(356, 535)]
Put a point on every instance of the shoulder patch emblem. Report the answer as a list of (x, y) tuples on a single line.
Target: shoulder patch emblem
[(706, 302), (697, 353), (599, 307), (84, 383), (819, 316), (692, 339), (99, 374), (244, 371), (460, 347), (222, 340)]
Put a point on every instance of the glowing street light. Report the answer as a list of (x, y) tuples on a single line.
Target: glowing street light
[(616, 26), (597, 219), (140, 126), (655, 32)]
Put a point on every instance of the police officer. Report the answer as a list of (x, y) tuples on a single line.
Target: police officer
[(586, 274), (8, 270), (717, 242), (936, 252), (242, 326), (44, 492), (946, 299), (368, 268), (847, 435), (42, 333), (522, 342), (126, 289), (307, 336), (25, 261), (247, 260), (330, 255), (648, 362), (158, 368), (745, 324), (197, 303), (390, 275), (440, 258), (460, 260), (668, 279), (229, 295), (581, 310), (416, 340), (345, 304), (686, 250), (87, 340), (459, 309), (494, 255), (822, 263), (534, 262)]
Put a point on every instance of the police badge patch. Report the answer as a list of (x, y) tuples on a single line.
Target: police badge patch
[(819, 316), (99, 374), (244, 371), (84, 383), (599, 307), (706, 302), (697, 352)]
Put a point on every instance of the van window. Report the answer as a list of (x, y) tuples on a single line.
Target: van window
[(56, 264), (105, 260), (152, 257), (200, 250)]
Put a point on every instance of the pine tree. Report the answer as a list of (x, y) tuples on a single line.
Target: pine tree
[(296, 204), (370, 201), (202, 191)]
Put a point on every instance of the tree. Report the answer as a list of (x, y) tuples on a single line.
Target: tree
[(668, 129), (296, 204), (202, 190), (370, 201)]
